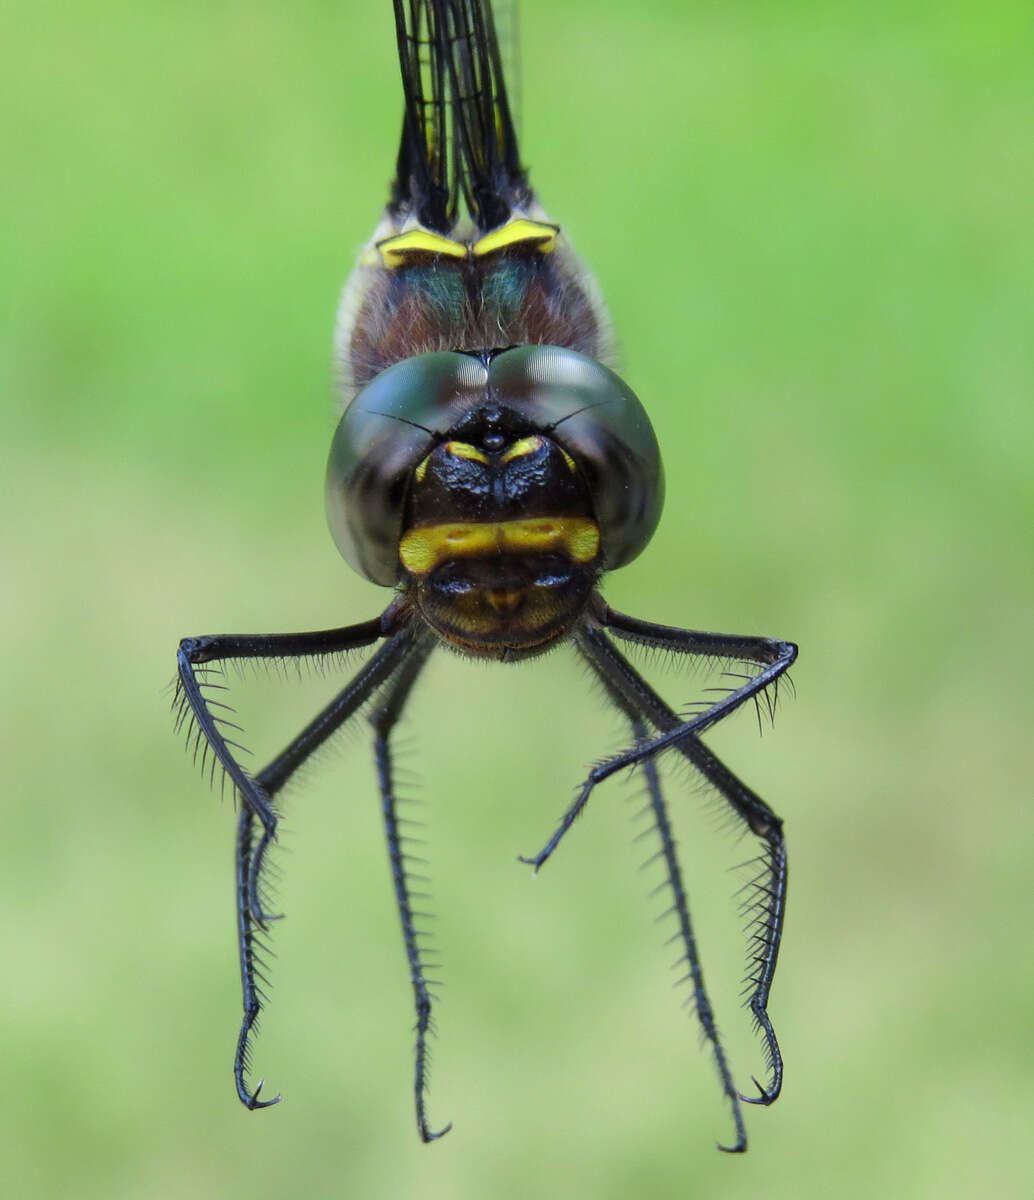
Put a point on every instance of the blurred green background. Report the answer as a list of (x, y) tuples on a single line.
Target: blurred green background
[(812, 222)]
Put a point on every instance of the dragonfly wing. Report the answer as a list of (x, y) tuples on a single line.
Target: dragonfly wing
[(458, 143)]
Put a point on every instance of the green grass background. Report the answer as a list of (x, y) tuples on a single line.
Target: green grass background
[(813, 225)]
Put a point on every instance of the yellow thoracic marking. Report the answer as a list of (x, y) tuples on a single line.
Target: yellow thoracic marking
[(521, 448), (395, 251), (465, 450), (515, 232), (422, 549)]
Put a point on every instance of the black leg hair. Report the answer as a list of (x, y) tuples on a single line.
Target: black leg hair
[(324, 725), (252, 921), (762, 650), (759, 819), (257, 792), (680, 907), (394, 670), (402, 657), (765, 903), (384, 718), (194, 653), (766, 900), (250, 948)]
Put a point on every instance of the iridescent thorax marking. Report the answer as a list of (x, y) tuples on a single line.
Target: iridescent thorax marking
[(418, 290)]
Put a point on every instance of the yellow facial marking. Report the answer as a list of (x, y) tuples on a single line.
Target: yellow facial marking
[(521, 448), (421, 469), (423, 548), (396, 251), (568, 459), (463, 450), (576, 536), (538, 233), (584, 544)]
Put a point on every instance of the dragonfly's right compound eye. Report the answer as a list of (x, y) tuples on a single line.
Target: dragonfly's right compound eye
[(596, 418)]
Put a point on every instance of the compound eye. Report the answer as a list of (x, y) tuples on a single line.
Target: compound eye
[(385, 432), (597, 420)]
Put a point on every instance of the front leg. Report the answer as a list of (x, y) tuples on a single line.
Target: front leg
[(391, 659), (258, 792), (776, 657), (765, 903), (765, 900), (193, 656)]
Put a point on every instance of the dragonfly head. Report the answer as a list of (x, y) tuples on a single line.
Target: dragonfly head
[(495, 490)]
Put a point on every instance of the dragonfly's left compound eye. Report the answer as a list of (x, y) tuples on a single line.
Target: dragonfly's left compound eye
[(382, 436)]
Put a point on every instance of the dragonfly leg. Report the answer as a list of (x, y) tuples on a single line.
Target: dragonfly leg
[(257, 819), (765, 903), (384, 718)]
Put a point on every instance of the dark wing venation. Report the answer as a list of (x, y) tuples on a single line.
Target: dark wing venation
[(491, 176), (423, 173), (458, 136)]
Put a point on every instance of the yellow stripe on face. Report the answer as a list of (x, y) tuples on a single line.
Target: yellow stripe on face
[(395, 251), (422, 549), (576, 536), (514, 233)]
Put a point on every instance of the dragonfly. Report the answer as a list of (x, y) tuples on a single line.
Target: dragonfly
[(489, 469)]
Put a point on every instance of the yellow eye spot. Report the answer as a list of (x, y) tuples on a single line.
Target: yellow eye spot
[(396, 251), (522, 448)]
